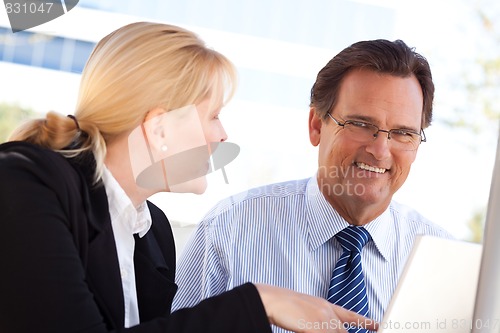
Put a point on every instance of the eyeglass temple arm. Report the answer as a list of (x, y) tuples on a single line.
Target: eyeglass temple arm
[(422, 136)]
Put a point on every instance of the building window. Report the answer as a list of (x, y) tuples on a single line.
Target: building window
[(41, 50)]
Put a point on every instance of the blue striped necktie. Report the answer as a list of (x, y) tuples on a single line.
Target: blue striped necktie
[(347, 286)]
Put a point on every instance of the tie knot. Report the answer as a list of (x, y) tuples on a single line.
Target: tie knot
[(353, 238)]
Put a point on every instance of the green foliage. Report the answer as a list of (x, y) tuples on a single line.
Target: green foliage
[(10, 117), (480, 80), (476, 226), (482, 89)]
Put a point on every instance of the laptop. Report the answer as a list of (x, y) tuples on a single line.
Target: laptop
[(437, 289)]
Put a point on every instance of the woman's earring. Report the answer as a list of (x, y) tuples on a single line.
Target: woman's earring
[(164, 147)]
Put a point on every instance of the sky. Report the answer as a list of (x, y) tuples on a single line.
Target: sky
[(449, 180)]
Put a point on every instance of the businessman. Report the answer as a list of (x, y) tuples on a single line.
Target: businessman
[(339, 234)]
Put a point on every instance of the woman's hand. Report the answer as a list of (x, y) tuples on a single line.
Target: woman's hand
[(303, 313)]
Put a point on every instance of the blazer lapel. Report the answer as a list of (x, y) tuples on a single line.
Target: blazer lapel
[(154, 283), (103, 268)]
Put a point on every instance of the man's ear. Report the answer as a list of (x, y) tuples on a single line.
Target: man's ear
[(315, 124)]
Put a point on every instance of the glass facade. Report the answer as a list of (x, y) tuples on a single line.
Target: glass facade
[(319, 23), (42, 50)]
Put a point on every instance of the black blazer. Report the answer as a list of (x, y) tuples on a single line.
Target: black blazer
[(59, 268)]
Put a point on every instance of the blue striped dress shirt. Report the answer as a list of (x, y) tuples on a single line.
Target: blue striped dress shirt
[(282, 234)]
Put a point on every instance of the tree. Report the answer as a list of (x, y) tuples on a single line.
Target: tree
[(11, 115), (476, 226), (483, 93)]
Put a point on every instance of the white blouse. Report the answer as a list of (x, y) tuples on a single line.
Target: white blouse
[(126, 221)]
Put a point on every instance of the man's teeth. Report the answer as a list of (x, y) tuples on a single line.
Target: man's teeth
[(370, 168)]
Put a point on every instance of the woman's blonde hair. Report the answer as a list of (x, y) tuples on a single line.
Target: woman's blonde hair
[(131, 71)]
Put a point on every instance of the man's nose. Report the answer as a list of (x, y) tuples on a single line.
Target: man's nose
[(380, 146)]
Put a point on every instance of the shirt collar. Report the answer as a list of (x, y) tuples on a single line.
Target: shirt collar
[(323, 222), (135, 220)]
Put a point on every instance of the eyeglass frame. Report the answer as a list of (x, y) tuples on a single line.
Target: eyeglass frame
[(375, 135)]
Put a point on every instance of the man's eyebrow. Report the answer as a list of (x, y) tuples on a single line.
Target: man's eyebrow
[(365, 118)]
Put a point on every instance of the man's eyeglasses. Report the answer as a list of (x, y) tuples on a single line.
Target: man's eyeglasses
[(402, 139)]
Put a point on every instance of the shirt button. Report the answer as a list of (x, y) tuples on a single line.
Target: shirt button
[(123, 273)]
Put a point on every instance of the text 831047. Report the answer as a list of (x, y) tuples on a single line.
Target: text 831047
[(28, 7)]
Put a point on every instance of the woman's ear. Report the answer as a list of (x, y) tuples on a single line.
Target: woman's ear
[(154, 129), (153, 113)]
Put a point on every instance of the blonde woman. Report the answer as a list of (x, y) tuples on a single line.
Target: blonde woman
[(81, 248)]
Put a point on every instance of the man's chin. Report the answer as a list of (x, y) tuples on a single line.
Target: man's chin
[(372, 196)]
